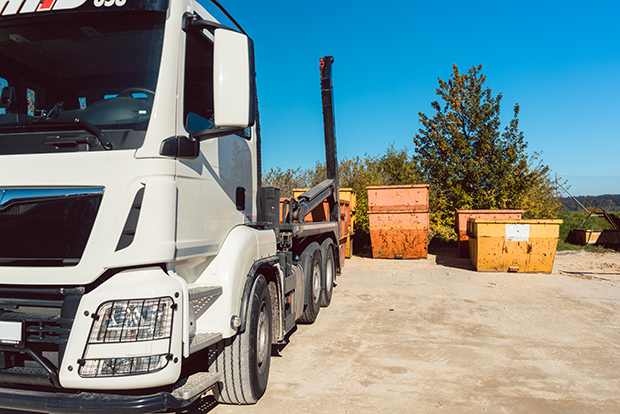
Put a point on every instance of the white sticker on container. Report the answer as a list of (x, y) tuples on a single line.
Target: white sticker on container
[(517, 232)]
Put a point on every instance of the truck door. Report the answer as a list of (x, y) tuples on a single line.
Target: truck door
[(212, 186)]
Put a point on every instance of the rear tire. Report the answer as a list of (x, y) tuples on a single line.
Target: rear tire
[(329, 273), (244, 359), (313, 271)]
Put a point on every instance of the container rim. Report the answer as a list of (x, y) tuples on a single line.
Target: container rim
[(379, 187)]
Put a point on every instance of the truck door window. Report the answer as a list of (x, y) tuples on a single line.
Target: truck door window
[(198, 89)]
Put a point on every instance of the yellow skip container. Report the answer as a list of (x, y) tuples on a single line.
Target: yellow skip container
[(513, 245)]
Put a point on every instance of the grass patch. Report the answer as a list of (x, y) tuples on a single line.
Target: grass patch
[(563, 246)]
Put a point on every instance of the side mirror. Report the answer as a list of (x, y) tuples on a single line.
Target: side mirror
[(7, 98), (234, 94)]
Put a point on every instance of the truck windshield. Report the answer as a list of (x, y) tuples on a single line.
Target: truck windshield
[(98, 67)]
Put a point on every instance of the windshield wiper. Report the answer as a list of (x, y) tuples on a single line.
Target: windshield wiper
[(87, 126)]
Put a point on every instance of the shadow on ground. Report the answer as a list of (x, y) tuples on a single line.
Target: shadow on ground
[(203, 405), (445, 252), (207, 403)]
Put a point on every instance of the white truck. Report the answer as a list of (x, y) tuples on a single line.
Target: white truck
[(141, 262)]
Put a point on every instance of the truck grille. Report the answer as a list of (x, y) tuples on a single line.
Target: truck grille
[(46, 226), (18, 209), (46, 315), (48, 332)]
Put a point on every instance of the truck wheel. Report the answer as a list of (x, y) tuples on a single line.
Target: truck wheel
[(329, 273), (313, 268), (244, 359)]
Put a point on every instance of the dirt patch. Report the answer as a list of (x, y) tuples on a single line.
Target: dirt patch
[(430, 336), (596, 266)]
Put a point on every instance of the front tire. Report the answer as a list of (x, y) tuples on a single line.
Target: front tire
[(244, 359)]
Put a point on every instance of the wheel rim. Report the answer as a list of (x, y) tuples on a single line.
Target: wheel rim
[(329, 276), (262, 338), (316, 283)]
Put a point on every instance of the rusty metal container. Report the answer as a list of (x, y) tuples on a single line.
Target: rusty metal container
[(399, 221), (513, 245), (342, 249), (462, 216), (348, 202), (398, 198), (597, 237), (345, 225), (321, 213), (348, 194), (282, 200)]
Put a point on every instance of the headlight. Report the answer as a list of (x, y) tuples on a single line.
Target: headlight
[(126, 321), (122, 366), (132, 320)]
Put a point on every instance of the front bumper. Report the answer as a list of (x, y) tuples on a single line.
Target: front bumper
[(86, 402), (59, 344)]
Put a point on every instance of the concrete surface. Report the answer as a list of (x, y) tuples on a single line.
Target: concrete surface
[(432, 336)]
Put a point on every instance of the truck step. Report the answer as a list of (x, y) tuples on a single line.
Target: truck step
[(199, 292), (203, 340), (195, 384), (202, 297)]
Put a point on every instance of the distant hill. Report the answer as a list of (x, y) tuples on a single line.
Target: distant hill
[(610, 202)]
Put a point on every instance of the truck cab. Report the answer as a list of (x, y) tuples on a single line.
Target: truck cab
[(136, 252)]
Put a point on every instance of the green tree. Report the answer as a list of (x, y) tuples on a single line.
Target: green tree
[(468, 161), (542, 198), (286, 181)]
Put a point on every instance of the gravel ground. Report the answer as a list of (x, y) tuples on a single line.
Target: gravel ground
[(432, 336)]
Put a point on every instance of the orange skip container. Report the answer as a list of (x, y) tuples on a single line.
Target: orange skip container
[(399, 221)]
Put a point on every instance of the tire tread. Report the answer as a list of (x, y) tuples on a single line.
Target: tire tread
[(328, 250), (233, 361), (311, 311)]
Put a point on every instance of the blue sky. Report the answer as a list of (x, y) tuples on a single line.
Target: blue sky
[(560, 60)]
